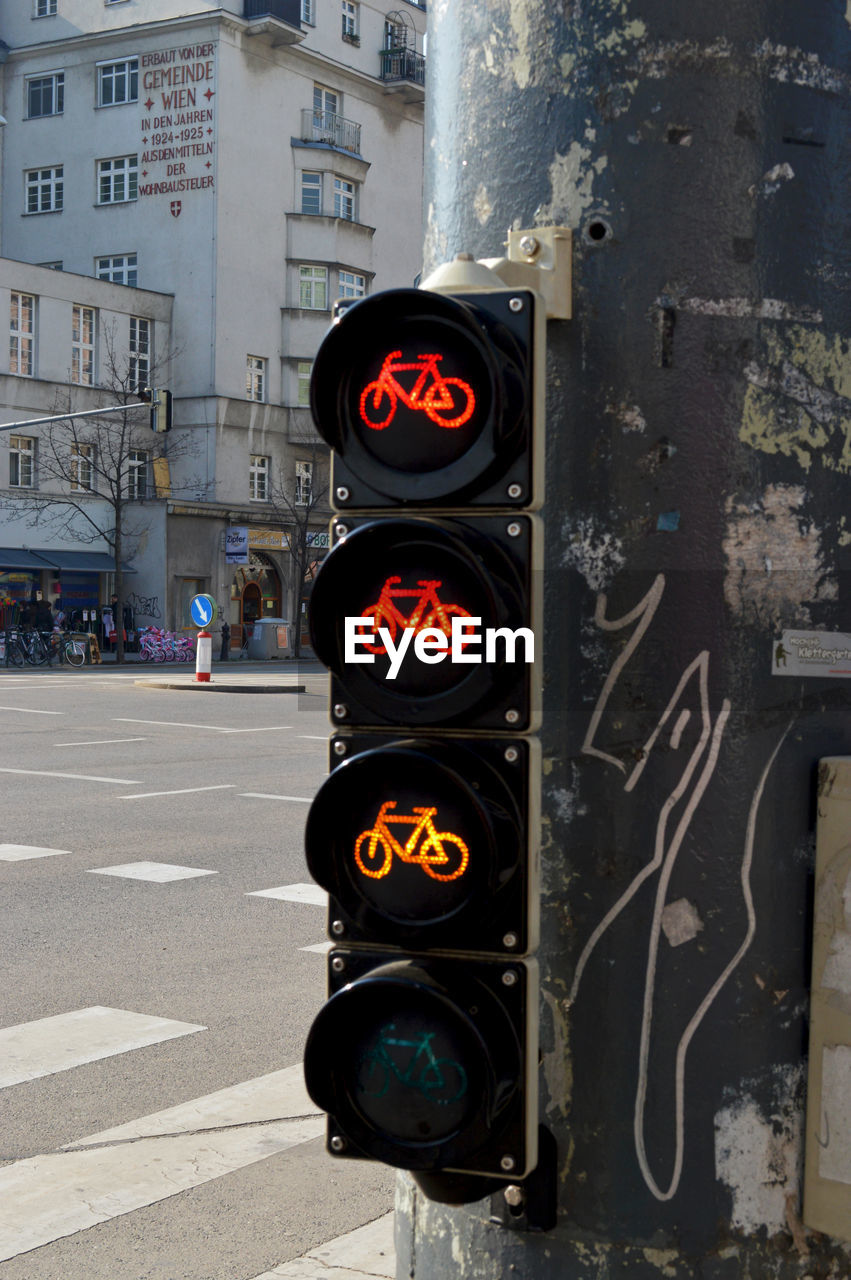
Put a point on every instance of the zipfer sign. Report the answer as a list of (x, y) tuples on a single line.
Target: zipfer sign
[(425, 833)]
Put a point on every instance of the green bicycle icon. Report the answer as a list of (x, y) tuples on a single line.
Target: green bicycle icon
[(441, 1080)]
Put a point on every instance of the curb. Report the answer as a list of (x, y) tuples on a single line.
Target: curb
[(210, 686)]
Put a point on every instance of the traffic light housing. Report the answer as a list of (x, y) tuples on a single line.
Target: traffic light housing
[(426, 832), (160, 408), (429, 400)]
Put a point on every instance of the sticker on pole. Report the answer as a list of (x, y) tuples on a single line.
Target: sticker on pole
[(817, 654), (203, 611)]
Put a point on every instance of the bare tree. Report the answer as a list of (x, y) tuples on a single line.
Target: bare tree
[(299, 498), (94, 470)]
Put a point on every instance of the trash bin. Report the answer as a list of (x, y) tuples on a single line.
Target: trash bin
[(272, 638)]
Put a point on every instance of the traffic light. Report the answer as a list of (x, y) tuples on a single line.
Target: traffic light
[(160, 408), (426, 832)]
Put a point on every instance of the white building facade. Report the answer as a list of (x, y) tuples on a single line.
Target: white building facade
[(250, 162)]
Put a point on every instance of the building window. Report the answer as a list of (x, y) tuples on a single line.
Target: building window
[(303, 483), (45, 8), (118, 82), (137, 474), (308, 12), (313, 288), (83, 345), (344, 199), (22, 335), (311, 193), (255, 378), (304, 369), (352, 285), (350, 20), (258, 478), (120, 268), (21, 462), (45, 189), (45, 95), (82, 468), (325, 103), (139, 354), (117, 179)]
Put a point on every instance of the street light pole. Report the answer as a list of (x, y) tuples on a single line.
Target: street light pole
[(697, 512)]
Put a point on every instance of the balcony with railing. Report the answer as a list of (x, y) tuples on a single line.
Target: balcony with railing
[(403, 69), (329, 128), (281, 19)]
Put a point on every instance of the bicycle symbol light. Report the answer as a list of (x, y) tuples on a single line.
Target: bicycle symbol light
[(448, 402), (429, 612), (442, 855)]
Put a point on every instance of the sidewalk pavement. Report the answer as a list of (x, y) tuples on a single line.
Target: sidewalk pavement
[(276, 675), (365, 1254)]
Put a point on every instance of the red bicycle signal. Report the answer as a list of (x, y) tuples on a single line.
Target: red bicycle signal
[(448, 402)]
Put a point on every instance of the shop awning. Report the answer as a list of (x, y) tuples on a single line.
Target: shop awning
[(70, 561), (80, 561), (16, 558)]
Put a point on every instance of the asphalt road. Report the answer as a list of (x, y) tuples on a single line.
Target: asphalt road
[(127, 993)]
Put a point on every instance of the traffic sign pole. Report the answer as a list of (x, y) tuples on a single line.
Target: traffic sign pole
[(203, 656)]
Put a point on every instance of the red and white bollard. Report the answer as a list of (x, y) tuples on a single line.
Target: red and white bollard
[(203, 655)]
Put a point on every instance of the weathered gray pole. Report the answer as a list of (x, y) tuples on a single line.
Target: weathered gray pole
[(698, 508)]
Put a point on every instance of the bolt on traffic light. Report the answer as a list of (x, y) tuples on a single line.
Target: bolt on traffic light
[(426, 832)]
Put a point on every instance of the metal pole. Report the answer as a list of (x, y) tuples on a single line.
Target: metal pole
[(63, 417), (697, 512)]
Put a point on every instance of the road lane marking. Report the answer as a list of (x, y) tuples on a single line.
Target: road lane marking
[(182, 791), (31, 1050), (78, 777), (368, 1251), (21, 852), (265, 795), (108, 1174), (159, 872), (268, 728), (310, 893), (314, 737), (30, 711), (320, 948), (182, 724), (99, 742), (279, 1095)]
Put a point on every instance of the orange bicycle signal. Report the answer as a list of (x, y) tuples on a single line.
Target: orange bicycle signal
[(429, 612), (448, 402), (442, 855)]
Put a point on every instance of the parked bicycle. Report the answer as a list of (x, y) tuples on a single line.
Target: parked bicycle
[(414, 1064), (442, 855), (448, 402), (156, 645)]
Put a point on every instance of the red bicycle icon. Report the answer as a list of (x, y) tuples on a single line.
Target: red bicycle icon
[(429, 612), (448, 402)]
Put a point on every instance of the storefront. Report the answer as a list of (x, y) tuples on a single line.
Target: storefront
[(255, 593), (79, 580)]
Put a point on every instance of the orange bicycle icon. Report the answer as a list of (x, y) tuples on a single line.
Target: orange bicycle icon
[(442, 855), (428, 612), (448, 402)]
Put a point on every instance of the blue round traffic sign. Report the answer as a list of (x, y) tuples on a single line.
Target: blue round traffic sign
[(203, 610)]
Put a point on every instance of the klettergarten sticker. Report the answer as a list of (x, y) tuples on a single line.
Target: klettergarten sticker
[(817, 654)]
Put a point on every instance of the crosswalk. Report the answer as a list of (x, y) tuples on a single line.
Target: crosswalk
[(150, 1158)]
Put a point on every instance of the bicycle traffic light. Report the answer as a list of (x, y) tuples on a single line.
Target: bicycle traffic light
[(426, 620), (426, 832), (160, 408), (429, 400)]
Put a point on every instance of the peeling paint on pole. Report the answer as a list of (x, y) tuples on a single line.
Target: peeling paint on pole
[(698, 507)]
